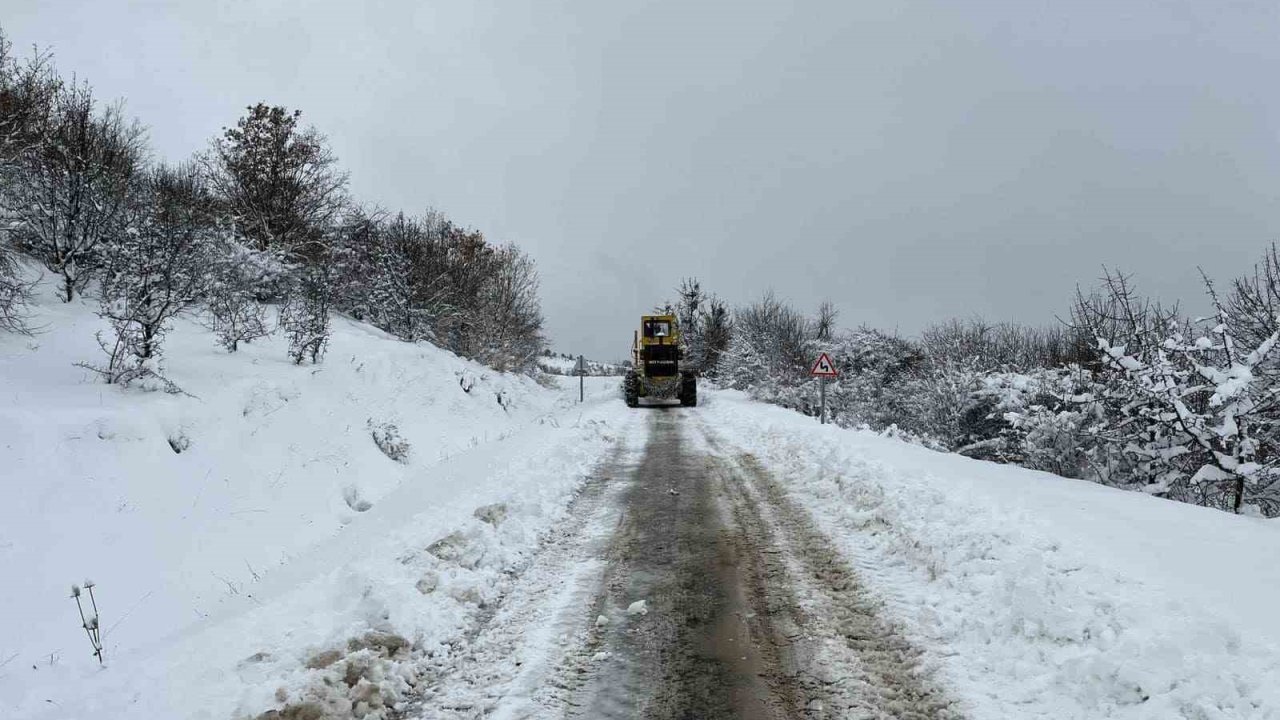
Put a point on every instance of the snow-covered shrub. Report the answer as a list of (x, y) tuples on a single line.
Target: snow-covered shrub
[(237, 277), (305, 315), (15, 293), (768, 355), (1055, 441), (872, 364), (387, 437), (154, 269), (1200, 413), (1048, 415), (1192, 411), (944, 403)]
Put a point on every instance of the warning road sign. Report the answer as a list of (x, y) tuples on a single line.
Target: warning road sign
[(823, 367)]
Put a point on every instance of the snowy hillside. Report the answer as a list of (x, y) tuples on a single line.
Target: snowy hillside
[(234, 522), (556, 364)]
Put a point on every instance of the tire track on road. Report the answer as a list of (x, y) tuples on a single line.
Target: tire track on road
[(851, 660)]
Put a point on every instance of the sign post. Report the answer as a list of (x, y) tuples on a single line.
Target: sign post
[(823, 369), (581, 370)]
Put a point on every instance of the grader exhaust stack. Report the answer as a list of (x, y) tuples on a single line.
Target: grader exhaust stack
[(656, 364)]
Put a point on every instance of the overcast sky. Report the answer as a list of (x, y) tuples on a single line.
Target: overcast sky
[(911, 161)]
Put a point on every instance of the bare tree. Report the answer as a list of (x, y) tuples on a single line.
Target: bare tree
[(1115, 311), (27, 93), (509, 333), (1253, 305)]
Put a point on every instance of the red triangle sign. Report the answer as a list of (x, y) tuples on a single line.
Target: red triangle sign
[(823, 367)]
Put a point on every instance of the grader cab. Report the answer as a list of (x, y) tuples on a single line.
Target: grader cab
[(656, 364)]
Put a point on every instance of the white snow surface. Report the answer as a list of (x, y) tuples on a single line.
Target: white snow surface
[(1036, 596), (279, 532)]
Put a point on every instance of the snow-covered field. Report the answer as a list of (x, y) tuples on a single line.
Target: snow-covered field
[(241, 532), (1035, 595)]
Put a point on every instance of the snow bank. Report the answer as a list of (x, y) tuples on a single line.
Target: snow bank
[(1035, 595), (276, 514)]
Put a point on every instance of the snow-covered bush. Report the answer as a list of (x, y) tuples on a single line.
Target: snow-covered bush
[(154, 269), (1192, 415), (768, 354), (304, 317), (15, 293), (1200, 414), (1047, 417), (236, 278), (388, 439)]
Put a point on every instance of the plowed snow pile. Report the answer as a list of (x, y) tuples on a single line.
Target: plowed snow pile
[(278, 530), (1035, 595)]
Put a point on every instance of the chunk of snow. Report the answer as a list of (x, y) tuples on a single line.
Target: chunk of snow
[(638, 608)]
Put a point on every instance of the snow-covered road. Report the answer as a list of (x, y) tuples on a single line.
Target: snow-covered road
[(687, 585)]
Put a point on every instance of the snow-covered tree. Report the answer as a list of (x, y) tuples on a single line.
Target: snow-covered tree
[(376, 275), (717, 334), (154, 268), (70, 191), (1196, 416), (690, 299), (28, 90), (279, 183), (768, 354), (15, 292)]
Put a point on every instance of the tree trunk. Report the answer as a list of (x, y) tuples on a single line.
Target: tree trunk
[(1239, 495)]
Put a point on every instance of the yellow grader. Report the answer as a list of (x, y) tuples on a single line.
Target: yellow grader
[(656, 358)]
